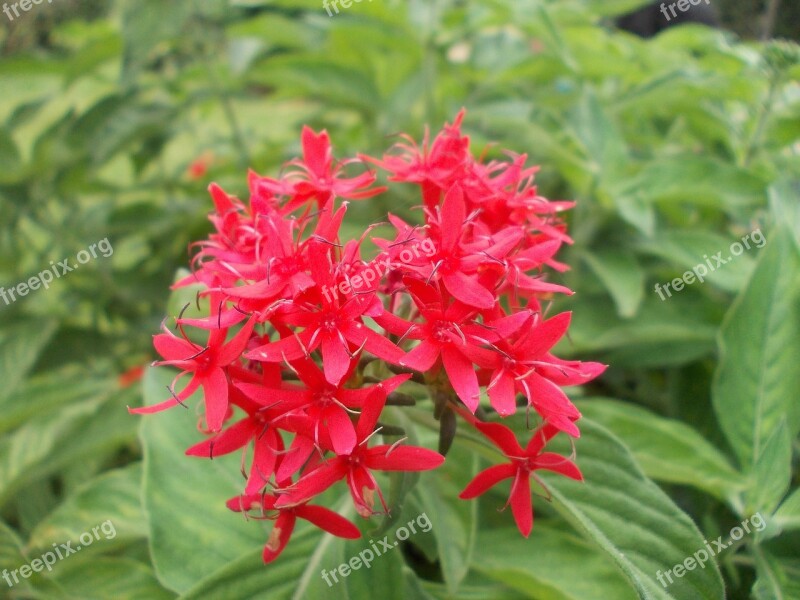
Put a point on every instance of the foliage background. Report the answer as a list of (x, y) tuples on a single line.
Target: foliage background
[(673, 147)]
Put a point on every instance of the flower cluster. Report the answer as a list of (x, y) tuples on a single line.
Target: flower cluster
[(306, 341)]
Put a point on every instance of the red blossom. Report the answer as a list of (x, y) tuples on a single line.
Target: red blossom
[(286, 517), (523, 463), (355, 466), (303, 332)]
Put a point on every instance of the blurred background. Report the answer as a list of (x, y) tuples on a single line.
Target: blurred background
[(116, 115)]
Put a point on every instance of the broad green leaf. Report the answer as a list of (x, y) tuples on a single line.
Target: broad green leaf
[(777, 580), (690, 250), (20, 346), (146, 24), (661, 334), (429, 590), (12, 557), (47, 391), (320, 77), (299, 572), (96, 428), (112, 497), (622, 277), (787, 516), (772, 473), (192, 532), (546, 571), (10, 162), (629, 517), (454, 522), (28, 449), (667, 449), (103, 578), (756, 383), (697, 180)]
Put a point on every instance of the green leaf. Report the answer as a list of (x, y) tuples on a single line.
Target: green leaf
[(25, 453), (298, 573), (622, 277), (95, 428), (20, 346), (118, 578), (548, 571), (429, 590), (757, 379), (661, 334), (629, 517), (690, 249), (787, 516), (667, 449), (146, 24), (10, 162), (772, 473), (192, 532), (777, 580), (46, 392), (12, 557), (697, 180), (454, 522), (114, 496)]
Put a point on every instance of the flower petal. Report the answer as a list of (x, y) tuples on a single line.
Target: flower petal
[(330, 521), (180, 397), (215, 388), (502, 437), (335, 359), (402, 458), (264, 459), (341, 430), (453, 217), (279, 536), (233, 438), (422, 357), (520, 500), (503, 395), (313, 483), (487, 479), (462, 377), (468, 290), (558, 464)]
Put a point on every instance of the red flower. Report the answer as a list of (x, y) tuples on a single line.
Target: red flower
[(449, 332), (355, 466), (526, 366), (433, 166), (206, 364), (458, 297), (522, 466), (327, 405), (131, 376), (286, 518), (333, 325), (317, 177), (257, 427)]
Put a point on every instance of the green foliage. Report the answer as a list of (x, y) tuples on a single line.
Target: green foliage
[(674, 148)]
